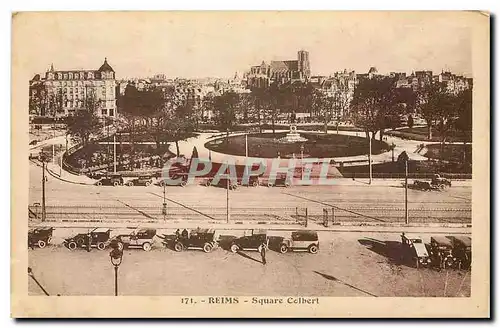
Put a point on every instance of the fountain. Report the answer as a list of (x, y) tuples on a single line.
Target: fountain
[(293, 135)]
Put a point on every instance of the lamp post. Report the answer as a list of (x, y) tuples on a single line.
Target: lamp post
[(43, 158), (301, 161), (164, 209), (228, 214), (393, 145), (116, 257), (370, 157)]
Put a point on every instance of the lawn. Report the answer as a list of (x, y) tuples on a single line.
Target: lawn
[(420, 134), (318, 145), (450, 153)]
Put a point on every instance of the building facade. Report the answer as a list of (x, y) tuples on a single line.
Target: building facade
[(63, 93), (280, 72)]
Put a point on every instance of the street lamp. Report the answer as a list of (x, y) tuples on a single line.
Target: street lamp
[(302, 160), (116, 256), (393, 145), (164, 209), (43, 158)]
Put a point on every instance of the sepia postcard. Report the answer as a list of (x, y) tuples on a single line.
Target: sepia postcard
[(293, 164)]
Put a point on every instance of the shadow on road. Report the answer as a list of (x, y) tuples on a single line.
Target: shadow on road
[(248, 257), (392, 250), (332, 278)]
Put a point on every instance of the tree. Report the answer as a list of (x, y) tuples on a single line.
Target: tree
[(324, 107), (463, 121), (431, 99), (409, 122), (226, 109), (83, 125), (375, 105)]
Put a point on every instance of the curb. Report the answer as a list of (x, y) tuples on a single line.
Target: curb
[(53, 174)]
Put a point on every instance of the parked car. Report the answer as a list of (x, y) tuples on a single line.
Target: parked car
[(176, 179), (414, 248), (300, 240), (440, 182), (100, 239), (253, 181), (442, 252), (423, 185), (253, 241), (111, 180), (140, 181), (222, 182), (40, 236), (138, 238), (282, 179), (33, 142), (204, 239), (462, 251)]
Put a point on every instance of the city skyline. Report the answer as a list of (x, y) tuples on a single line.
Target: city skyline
[(224, 45)]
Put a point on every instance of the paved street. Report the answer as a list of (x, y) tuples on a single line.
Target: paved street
[(348, 264), (355, 201)]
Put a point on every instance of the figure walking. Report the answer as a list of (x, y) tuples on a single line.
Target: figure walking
[(263, 253), (89, 241)]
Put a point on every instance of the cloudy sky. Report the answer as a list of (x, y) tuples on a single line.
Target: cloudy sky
[(216, 44)]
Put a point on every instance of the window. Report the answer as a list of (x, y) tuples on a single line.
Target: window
[(104, 111), (111, 112)]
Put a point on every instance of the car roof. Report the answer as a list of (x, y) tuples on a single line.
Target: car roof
[(466, 240), (101, 230), (441, 240), (259, 232), (413, 237)]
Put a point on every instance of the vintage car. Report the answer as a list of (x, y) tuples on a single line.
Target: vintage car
[(462, 251), (442, 252), (204, 239), (176, 179), (40, 236), (140, 181), (440, 182), (281, 180), (252, 240), (423, 185), (111, 180), (100, 239), (253, 181), (142, 238), (223, 182), (414, 248), (305, 240)]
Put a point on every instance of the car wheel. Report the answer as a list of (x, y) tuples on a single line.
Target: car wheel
[(116, 183), (207, 183), (101, 246), (162, 183), (98, 183), (178, 247), (207, 248), (283, 249), (269, 184), (72, 245), (120, 245), (41, 244), (130, 184), (146, 247), (49, 240), (255, 184), (234, 248), (80, 242), (147, 183), (313, 249), (287, 184), (183, 183)]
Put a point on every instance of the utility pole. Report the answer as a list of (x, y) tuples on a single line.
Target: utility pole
[(227, 201), (114, 153), (43, 190), (164, 209), (246, 145), (406, 191), (370, 157)]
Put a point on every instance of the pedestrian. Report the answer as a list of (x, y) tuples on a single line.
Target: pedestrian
[(89, 241), (185, 234), (263, 253), (177, 234)]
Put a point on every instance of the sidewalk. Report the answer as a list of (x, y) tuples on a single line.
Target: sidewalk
[(55, 171), (345, 227)]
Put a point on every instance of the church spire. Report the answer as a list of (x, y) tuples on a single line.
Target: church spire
[(51, 67)]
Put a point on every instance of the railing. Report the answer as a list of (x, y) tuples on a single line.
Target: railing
[(384, 213)]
